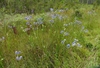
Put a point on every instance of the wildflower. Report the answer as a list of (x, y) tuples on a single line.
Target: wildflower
[(40, 22), (82, 28), (78, 44), (73, 43), (78, 22), (75, 40), (35, 23), (28, 17), (61, 31), (60, 17), (61, 10), (39, 19), (63, 41), (66, 33), (86, 31), (68, 45), (17, 52), (51, 9), (53, 16), (65, 24), (51, 21), (18, 58), (27, 23)]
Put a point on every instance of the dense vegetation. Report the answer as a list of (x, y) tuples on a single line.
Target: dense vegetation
[(39, 6), (49, 34)]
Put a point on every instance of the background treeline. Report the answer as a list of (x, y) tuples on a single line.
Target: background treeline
[(38, 6)]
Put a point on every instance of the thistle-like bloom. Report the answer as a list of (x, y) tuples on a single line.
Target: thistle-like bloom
[(18, 58), (17, 52), (73, 43), (28, 17), (68, 45)]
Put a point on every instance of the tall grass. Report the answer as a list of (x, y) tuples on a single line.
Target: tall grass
[(57, 39)]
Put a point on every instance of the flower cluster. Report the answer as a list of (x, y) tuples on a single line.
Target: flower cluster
[(78, 22), (28, 24), (39, 21), (65, 33), (92, 12), (83, 29), (74, 43), (28, 17), (18, 58)]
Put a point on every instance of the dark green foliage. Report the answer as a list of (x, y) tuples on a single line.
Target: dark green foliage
[(78, 14), (34, 6), (89, 46)]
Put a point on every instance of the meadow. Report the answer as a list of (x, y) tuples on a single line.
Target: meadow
[(59, 38)]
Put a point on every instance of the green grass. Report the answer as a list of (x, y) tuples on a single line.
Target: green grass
[(48, 43)]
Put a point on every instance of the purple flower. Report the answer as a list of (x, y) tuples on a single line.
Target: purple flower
[(17, 52), (78, 44), (28, 17), (68, 45), (18, 58), (73, 43)]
